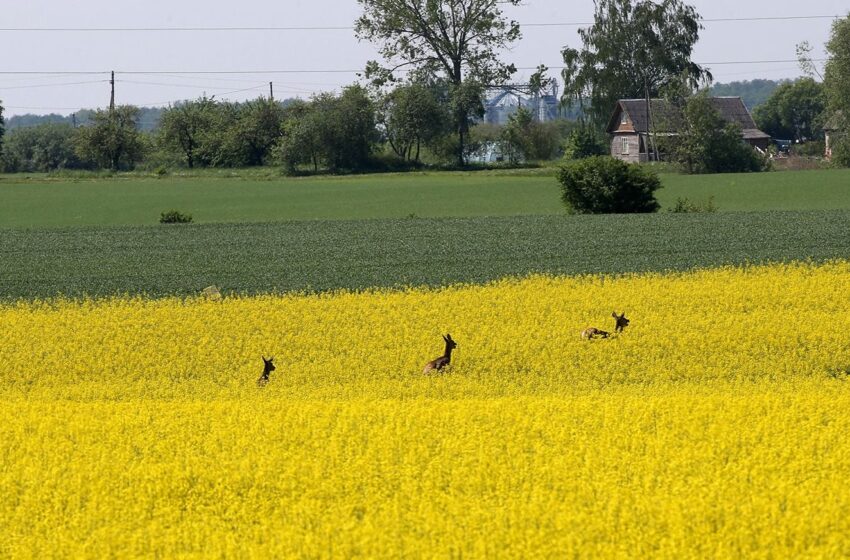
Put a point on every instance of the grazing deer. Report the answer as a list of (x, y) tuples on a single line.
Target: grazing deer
[(268, 367), (591, 332), (443, 360), (621, 323)]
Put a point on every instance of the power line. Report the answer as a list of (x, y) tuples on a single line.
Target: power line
[(351, 28), (53, 73), (197, 86), (339, 71), (31, 86), (214, 88)]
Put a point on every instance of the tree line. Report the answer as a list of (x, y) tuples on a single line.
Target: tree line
[(355, 130), (426, 98)]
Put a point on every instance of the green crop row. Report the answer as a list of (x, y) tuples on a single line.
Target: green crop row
[(327, 255)]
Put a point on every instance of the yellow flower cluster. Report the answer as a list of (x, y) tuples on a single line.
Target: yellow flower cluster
[(715, 425)]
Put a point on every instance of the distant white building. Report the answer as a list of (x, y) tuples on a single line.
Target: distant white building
[(490, 152), (505, 101)]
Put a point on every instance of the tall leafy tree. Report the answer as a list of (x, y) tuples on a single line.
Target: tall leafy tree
[(336, 131), (346, 128), (456, 39), (633, 50), (300, 141), (185, 126), (112, 140), (837, 88), (257, 130), (515, 135), (524, 137), (793, 111), (412, 116), (708, 144)]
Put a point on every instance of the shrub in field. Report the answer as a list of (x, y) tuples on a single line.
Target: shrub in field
[(175, 217), (685, 206), (605, 185)]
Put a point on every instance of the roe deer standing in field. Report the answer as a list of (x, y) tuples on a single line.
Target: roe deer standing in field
[(268, 367), (621, 323), (445, 359)]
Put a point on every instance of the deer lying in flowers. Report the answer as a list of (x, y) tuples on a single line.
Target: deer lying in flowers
[(445, 359), (268, 367), (621, 323)]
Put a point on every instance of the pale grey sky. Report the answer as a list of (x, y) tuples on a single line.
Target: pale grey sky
[(312, 50)]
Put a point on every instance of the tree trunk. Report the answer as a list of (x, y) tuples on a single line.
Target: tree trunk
[(462, 130), (463, 124)]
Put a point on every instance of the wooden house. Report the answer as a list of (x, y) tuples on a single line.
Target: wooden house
[(629, 125)]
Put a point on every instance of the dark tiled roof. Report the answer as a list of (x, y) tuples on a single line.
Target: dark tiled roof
[(667, 117), (835, 122), (754, 134)]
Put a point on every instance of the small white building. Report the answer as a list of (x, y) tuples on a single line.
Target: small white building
[(831, 127)]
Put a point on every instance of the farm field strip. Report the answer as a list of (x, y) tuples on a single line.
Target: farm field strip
[(320, 256), (714, 425), (49, 202), (739, 471)]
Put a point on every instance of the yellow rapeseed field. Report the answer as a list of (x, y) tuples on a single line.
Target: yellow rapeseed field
[(716, 425)]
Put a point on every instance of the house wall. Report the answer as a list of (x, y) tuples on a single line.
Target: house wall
[(761, 143), (633, 155)]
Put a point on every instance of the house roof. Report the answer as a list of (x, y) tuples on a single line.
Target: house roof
[(834, 122), (669, 119)]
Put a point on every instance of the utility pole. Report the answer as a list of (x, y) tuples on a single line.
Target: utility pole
[(271, 91), (112, 96), (74, 119)]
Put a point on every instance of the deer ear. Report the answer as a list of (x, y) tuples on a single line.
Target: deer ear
[(445, 338), (614, 314)]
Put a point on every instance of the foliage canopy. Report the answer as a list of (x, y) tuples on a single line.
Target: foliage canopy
[(42, 148), (112, 140), (793, 111), (706, 143), (457, 40), (632, 51), (837, 89)]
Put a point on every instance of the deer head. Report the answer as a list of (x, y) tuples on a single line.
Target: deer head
[(621, 320), (268, 366), (450, 344)]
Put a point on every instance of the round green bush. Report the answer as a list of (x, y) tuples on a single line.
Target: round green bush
[(605, 185)]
